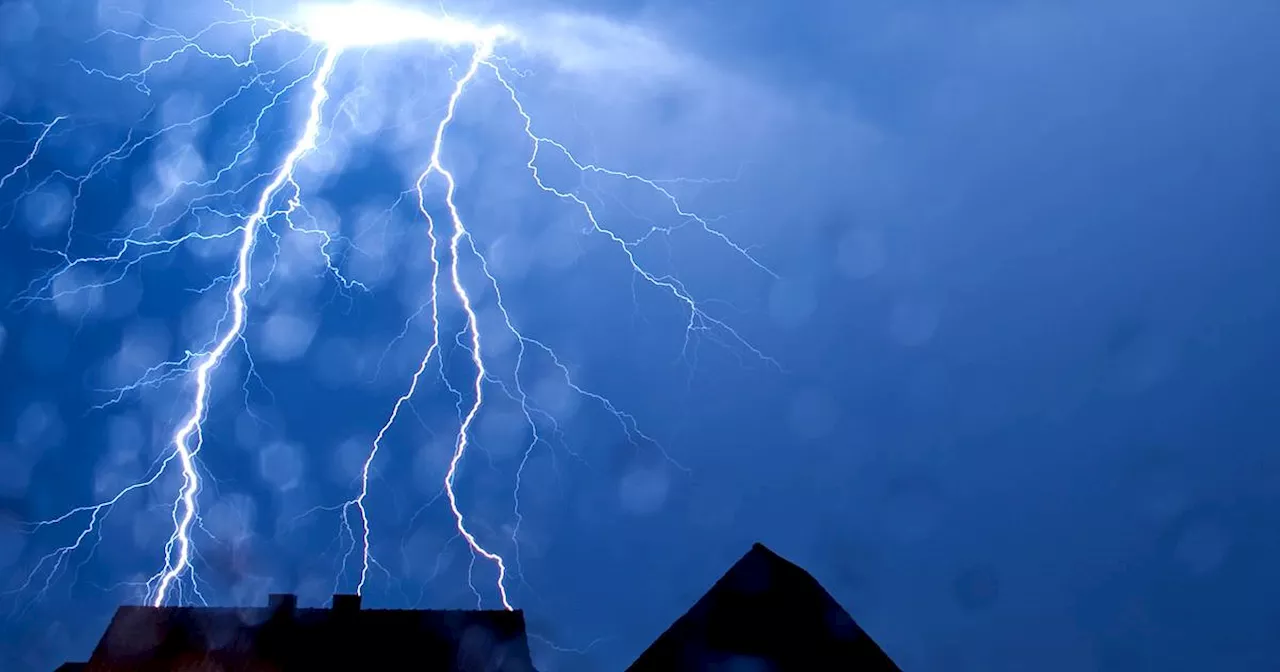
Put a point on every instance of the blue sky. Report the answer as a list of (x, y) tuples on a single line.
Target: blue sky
[(1023, 314)]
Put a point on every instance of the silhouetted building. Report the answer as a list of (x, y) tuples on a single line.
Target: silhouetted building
[(765, 615), (284, 638)]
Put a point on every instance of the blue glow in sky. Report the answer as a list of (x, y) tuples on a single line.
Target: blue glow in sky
[(968, 309)]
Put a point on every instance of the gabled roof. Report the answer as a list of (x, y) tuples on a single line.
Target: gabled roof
[(283, 638), (765, 614)]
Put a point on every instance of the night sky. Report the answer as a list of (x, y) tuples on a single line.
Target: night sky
[(991, 296)]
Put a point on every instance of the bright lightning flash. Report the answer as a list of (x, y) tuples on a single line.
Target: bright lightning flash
[(332, 29), (372, 24)]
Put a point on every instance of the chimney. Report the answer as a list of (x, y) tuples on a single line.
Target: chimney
[(346, 603), (282, 604)]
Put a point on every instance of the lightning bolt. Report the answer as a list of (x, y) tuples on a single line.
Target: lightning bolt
[(335, 29), (45, 130), (187, 439), (482, 51), (184, 513)]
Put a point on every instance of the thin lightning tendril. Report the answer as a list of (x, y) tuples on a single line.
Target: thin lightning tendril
[(279, 197), (45, 130)]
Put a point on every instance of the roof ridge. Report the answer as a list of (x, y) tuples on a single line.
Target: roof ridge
[(199, 607)]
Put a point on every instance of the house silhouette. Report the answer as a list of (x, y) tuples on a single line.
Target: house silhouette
[(282, 637), (764, 615)]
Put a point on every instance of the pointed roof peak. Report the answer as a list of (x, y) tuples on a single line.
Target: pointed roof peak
[(759, 549), (761, 559), (769, 609), (762, 570)]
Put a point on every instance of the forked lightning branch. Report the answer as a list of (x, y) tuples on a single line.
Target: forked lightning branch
[(335, 31)]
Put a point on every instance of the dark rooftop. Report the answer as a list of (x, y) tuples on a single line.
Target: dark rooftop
[(765, 614), (282, 637)]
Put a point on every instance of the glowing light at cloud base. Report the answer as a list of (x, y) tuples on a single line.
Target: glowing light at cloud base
[(371, 24), (334, 30)]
